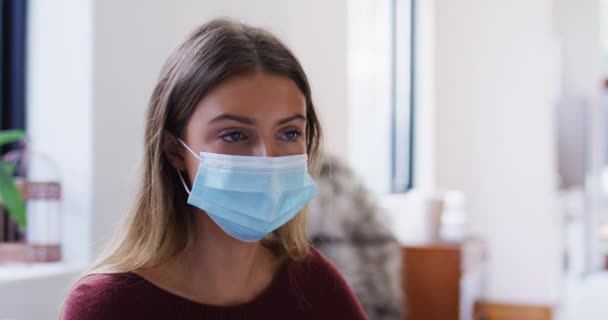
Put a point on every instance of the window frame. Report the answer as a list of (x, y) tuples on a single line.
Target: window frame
[(403, 44)]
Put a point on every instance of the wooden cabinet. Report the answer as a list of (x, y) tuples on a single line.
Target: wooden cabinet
[(442, 281)]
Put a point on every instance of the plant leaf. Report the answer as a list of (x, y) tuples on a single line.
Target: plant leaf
[(12, 199), (9, 167), (9, 136)]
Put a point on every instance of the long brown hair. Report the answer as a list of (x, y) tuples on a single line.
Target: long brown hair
[(159, 226)]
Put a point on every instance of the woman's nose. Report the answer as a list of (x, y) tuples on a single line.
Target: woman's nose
[(265, 149)]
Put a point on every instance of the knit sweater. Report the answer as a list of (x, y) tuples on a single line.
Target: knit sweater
[(311, 289)]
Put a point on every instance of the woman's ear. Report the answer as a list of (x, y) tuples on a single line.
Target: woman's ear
[(173, 150)]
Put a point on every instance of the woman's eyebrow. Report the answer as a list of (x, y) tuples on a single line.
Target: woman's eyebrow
[(291, 118), (250, 121), (232, 117)]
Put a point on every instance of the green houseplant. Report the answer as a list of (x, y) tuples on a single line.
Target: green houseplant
[(44, 242), (9, 193)]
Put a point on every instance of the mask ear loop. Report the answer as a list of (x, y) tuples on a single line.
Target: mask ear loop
[(178, 172), (187, 147), (183, 181)]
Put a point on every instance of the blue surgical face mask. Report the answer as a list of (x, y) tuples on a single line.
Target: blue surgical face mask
[(249, 197)]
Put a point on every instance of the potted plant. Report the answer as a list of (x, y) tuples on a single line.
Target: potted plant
[(16, 194), (9, 193)]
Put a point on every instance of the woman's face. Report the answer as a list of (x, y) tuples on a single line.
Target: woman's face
[(254, 114)]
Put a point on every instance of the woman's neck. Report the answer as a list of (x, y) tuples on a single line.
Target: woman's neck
[(217, 269)]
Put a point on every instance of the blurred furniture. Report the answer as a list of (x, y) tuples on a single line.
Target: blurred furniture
[(442, 281), (500, 311)]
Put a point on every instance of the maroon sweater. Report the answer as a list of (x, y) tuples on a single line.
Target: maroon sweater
[(312, 289)]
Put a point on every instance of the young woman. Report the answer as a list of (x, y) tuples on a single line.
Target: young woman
[(218, 227)]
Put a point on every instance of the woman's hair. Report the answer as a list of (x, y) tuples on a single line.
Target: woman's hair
[(159, 225)]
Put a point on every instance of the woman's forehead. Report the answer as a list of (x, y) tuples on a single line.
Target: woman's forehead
[(259, 95)]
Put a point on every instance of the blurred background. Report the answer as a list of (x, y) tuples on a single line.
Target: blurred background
[(472, 133)]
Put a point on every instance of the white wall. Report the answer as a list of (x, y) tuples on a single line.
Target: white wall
[(496, 82), (59, 110), (424, 79), (35, 297)]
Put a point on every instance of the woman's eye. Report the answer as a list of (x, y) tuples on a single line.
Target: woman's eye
[(291, 135), (233, 137)]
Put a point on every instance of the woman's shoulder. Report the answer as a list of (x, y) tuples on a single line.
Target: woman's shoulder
[(317, 267), (99, 296), (325, 287), (319, 262)]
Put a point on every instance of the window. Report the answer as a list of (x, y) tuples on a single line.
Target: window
[(402, 94), (12, 70), (381, 103)]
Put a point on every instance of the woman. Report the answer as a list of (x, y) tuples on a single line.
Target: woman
[(218, 228)]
